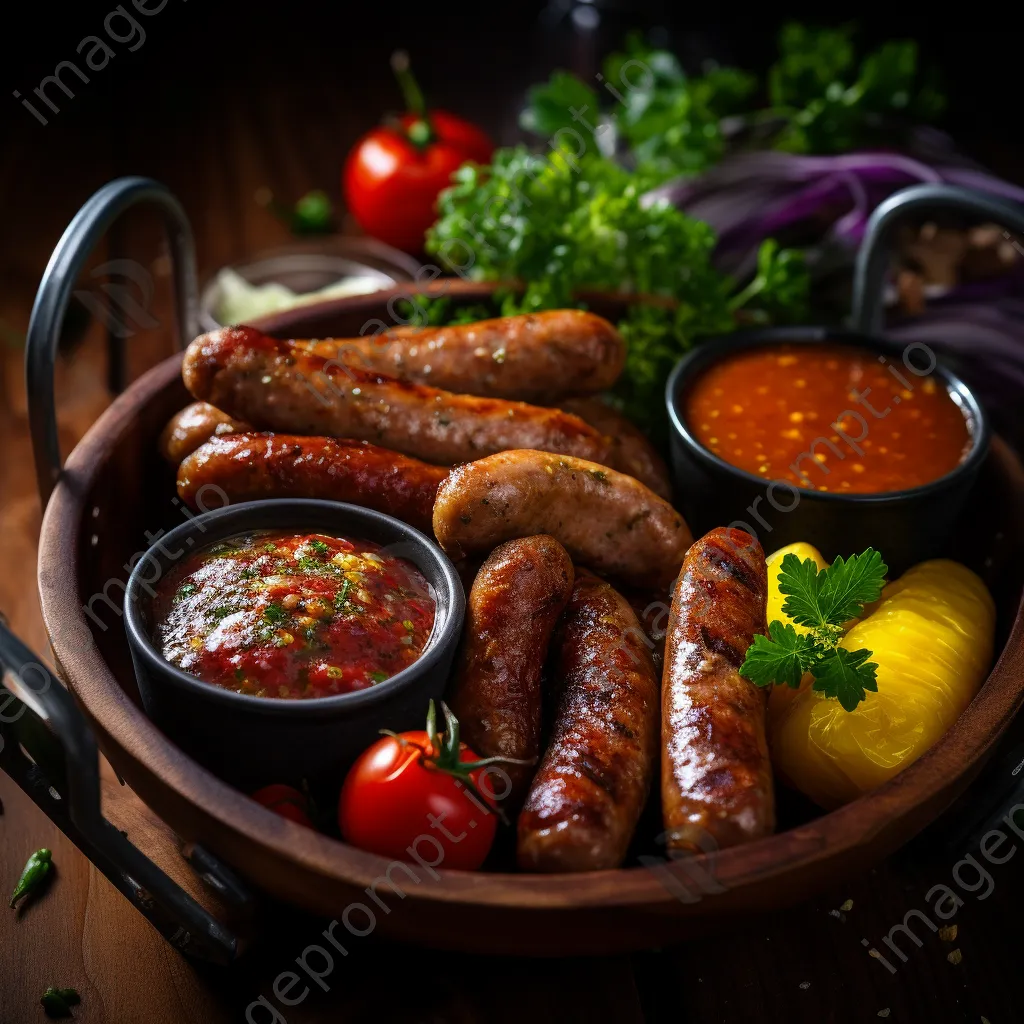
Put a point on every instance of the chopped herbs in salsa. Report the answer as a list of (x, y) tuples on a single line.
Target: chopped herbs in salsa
[(294, 616)]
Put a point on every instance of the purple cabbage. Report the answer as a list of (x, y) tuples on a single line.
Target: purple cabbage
[(753, 196)]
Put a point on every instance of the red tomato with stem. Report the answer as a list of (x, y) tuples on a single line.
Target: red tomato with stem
[(414, 785), (394, 173), (286, 801)]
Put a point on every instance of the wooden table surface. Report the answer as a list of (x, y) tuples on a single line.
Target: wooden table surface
[(215, 144)]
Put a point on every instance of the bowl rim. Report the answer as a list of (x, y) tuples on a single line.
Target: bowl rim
[(368, 253), (163, 775), (707, 351), (219, 523)]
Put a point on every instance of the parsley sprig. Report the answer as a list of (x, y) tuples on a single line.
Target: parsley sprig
[(822, 601)]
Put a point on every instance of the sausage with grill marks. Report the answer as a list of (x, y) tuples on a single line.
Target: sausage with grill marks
[(590, 789), (716, 781), (513, 605)]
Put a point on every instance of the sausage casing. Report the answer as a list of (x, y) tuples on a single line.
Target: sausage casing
[(279, 385), (511, 612), (631, 451), (606, 520), (716, 781), (535, 357), (192, 426), (250, 467), (591, 785)]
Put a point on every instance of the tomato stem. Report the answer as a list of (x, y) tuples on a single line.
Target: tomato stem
[(421, 132), (444, 755)]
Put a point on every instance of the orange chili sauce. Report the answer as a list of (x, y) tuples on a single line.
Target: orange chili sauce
[(829, 417)]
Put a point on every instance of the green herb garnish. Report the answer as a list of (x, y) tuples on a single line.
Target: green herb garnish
[(37, 870), (341, 598), (379, 677), (185, 590), (313, 214), (221, 612), (57, 1002), (320, 547), (821, 601), (565, 225), (274, 614)]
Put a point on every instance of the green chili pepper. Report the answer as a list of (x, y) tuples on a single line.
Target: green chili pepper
[(37, 867), (57, 1002)]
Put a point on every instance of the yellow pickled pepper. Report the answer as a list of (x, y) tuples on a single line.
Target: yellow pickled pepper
[(931, 636)]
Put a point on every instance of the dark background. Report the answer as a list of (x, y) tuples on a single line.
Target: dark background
[(205, 64)]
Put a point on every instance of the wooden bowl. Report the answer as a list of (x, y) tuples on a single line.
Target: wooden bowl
[(115, 487)]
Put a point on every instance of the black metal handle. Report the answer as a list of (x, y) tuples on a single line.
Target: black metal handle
[(873, 256), (61, 774), (55, 290)]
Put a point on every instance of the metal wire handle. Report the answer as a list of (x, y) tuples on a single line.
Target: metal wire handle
[(55, 290), (873, 257), (46, 746)]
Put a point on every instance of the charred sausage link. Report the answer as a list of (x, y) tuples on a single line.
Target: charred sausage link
[(591, 786), (511, 612), (716, 780), (250, 467), (281, 385), (606, 520)]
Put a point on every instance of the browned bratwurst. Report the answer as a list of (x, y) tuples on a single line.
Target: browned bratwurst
[(606, 520), (279, 385), (254, 466), (632, 452), (537, 357), (193, 426), (591, 786), (511, 612), (716, 780)]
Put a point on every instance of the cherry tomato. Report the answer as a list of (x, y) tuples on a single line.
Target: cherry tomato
[(286, 801), (394, 173), (406, 786)]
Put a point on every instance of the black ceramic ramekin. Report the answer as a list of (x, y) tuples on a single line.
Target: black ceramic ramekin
[(250, 740), (907, 526)]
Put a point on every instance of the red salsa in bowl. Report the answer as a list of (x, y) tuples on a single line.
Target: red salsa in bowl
[(829, 417), (293, 615)]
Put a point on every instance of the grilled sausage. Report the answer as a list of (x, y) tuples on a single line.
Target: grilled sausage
[(194, 425), (606, 520), (591, 786), (511, 612), (716, 778), (280, 385), (631, 452), (253, 466), (537, 357)]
